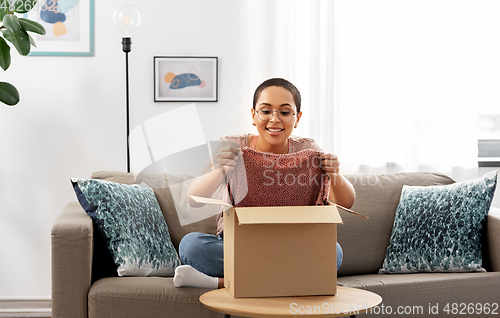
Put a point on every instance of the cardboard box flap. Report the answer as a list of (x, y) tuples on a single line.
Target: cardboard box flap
[(210, 201), (348, 210), (288, 215)]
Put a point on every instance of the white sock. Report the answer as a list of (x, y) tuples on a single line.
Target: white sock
[(187, 276)]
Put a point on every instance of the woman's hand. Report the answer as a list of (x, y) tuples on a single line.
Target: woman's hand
[(227, 158), (206, 184), (330, 163)]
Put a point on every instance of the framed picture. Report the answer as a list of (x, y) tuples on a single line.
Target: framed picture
[(185, 79), (69, 26)]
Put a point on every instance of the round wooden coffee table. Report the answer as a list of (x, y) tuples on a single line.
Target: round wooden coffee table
[(347, 302)]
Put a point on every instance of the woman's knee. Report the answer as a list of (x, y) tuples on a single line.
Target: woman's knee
[(188, 243), (200, 245)]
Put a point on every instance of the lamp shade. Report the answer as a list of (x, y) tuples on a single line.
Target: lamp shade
[(127, 19)]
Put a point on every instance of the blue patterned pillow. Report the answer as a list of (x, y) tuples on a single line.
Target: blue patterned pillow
[(438, 228), (132, 224)]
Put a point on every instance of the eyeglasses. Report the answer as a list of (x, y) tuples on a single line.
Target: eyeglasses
[(265, 114)]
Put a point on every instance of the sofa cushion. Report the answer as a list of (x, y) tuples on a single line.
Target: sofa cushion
[(430, 294), (364, 242), (129, 217), (102, 261), (439, 228), (145, 297)]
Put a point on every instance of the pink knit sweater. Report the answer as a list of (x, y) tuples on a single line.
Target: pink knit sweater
[(264, 179)]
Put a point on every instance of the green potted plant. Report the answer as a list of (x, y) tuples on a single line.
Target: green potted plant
[(15, 30)]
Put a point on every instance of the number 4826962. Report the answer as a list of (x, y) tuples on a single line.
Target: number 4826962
[(471, 309), (23, 6)]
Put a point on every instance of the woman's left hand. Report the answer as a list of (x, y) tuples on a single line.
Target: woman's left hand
[(330, 163), (341, 190)]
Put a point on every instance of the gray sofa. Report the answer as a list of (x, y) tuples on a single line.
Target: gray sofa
[(84, 285)]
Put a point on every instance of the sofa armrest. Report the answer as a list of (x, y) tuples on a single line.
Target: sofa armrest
[(72, 235), (493, 239)]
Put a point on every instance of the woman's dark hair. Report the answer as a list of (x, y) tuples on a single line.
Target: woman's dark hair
[(280, 82)]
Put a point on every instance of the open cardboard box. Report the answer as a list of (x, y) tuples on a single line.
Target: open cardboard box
[(279, 251)]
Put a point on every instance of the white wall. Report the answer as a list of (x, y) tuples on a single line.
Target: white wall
[(71, 120)]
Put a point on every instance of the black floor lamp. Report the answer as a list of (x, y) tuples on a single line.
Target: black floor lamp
[(127, 19)]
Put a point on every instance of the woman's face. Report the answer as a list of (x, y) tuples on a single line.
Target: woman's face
[(275, 131)]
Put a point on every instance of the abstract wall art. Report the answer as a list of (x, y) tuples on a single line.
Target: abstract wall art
[(69, 25), (188, 79)]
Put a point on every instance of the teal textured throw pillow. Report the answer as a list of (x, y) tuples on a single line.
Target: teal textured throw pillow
[(132, 225), (438, 228)]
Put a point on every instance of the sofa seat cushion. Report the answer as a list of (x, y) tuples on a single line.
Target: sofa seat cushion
[(422, 289), (145, 297)]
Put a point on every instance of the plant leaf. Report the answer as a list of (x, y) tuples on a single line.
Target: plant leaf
[(20, 39), (32, 26), (32, 42), (4, 54), (24, 6), (8, 94), (2, 13), (11, 22)]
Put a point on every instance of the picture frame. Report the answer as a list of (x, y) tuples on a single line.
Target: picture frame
[(185, 79), (70, 28)]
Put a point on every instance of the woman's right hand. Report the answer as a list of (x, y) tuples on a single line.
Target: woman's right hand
[(206, 184), (227, 158)]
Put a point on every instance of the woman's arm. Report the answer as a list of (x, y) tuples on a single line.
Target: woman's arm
[(341, 190), (205, 186)]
